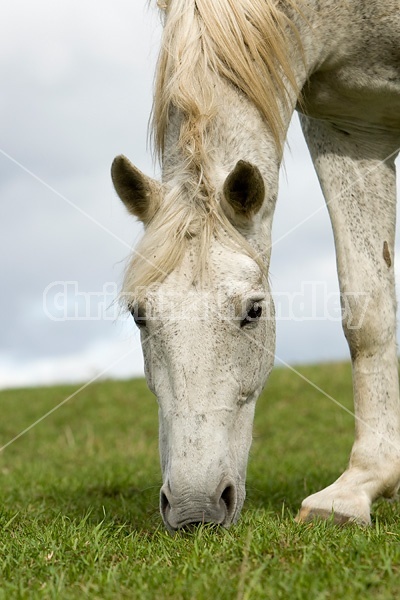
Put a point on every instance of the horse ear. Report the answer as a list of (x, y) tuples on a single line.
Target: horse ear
[(140, 194), (244, 191)]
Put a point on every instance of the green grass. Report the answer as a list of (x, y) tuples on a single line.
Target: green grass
[(79, 502)]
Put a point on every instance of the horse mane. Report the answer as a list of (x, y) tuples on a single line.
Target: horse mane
[(245, 43)]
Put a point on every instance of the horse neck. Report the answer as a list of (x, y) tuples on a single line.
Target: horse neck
[(234, 132), (233, 129), (229, 127)]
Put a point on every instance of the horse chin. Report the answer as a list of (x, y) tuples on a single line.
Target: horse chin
[(194, 521)]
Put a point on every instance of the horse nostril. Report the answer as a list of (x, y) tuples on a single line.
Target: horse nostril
[(165, 506), (228, 497)]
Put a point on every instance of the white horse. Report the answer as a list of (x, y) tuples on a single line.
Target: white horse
[(230, 75)]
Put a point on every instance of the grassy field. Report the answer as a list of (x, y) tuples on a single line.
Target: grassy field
[(79, 502)]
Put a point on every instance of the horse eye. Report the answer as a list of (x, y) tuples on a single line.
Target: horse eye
[(138, 315), (253, 314)]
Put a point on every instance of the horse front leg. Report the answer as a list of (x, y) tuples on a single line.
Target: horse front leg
[(357, 175)]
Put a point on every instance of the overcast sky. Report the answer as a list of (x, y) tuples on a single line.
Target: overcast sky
[(76, 91)]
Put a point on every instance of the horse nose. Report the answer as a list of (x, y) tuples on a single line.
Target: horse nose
[(181, 511)]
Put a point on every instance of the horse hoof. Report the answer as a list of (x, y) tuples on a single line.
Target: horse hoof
[(307, 515)]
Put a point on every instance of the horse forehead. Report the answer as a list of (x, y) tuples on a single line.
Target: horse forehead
[(234, 265), (225, 269)]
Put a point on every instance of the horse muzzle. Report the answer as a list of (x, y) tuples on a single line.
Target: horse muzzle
[(189, 508)]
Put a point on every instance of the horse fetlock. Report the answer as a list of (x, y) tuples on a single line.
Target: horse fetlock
[(378, 476)]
